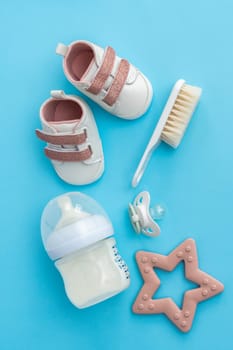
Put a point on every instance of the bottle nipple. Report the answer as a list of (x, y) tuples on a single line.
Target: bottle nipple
[(69, 213)]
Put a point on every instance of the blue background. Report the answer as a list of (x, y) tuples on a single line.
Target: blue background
[(167, 40)]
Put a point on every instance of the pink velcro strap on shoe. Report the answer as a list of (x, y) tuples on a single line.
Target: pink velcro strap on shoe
[(118, 83), (75, 139), (68, 156), (103, 72)]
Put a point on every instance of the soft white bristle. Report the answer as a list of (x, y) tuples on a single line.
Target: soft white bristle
[(180, 114)]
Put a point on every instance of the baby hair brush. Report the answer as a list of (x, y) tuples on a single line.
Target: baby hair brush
[(172, 123)]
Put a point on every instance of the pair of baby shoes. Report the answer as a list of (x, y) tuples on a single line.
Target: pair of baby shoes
[(68, 125)]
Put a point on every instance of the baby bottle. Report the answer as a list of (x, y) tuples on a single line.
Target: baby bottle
[(77, 235)]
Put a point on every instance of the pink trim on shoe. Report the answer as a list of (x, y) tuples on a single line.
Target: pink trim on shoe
[(103, 72), (78, 58), (118, 83), (68, 156), (74, 139)]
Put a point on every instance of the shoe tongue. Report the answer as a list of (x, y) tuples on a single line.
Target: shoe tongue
[(64, 127), (93, 68), (90, 73)]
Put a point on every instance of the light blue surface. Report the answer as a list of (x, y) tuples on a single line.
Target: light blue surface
[(167, 40)]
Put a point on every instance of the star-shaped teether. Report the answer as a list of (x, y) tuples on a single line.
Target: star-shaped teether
[(208, 286)]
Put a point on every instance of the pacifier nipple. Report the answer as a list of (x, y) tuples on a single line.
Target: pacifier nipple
[(143, 217), (157, 212)]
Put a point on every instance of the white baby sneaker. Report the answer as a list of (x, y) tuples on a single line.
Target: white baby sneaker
[(73, 142), (112, 82)]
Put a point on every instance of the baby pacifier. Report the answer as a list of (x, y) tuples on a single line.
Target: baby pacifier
[(143, 217)]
